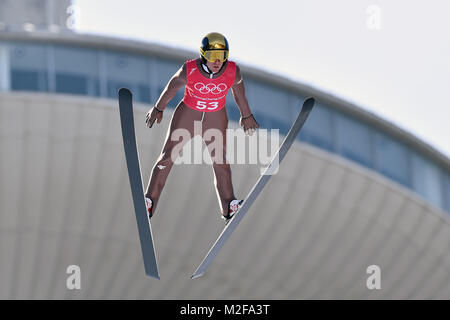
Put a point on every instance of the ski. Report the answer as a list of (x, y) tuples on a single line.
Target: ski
[(134, 174), (307, 106)]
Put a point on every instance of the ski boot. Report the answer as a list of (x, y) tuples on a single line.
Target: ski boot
[(149, 205), (233, 207)]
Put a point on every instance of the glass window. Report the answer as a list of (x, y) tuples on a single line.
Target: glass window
[(131, 71), (76, 71), (426, 179), (353, 140), (165, 70), (232, 109), (271, 105), (27, 80), (319, 128), (71, 83), (283, 126), (264, 120), (28, 67), (391, 158)]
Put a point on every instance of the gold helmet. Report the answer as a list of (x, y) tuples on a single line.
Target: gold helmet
[(214, 47)]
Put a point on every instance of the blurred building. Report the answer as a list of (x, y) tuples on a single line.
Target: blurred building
[(354, 191)]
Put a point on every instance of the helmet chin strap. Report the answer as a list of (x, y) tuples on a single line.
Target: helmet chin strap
[(208, 71)]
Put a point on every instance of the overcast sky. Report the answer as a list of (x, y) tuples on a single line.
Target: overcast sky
[(391, 58)]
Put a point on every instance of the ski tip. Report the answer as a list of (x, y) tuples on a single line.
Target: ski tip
[(310, 100), (124, 91), (308, 104), (197, 275)]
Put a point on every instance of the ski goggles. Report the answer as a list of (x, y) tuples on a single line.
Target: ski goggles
[(214, 55)]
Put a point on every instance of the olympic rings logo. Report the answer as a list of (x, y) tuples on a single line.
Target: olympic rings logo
[(210, 88)]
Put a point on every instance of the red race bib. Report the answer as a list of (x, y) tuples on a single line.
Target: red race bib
[(204, 94)]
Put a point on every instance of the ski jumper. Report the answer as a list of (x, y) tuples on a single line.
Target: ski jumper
[(203, 103)]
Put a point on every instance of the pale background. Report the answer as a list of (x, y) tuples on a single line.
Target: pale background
[(399, 72)]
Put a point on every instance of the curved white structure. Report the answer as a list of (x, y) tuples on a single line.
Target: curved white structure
[(317, 226)]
